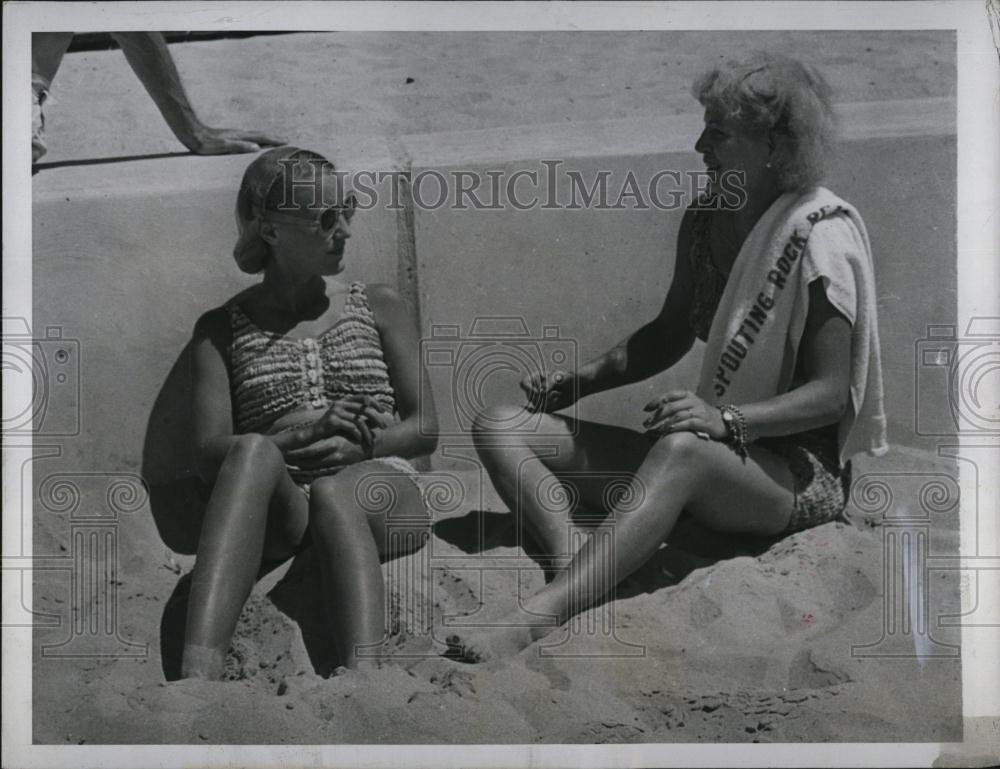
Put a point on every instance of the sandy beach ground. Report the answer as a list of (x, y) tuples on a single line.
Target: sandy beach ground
[(715, 639)]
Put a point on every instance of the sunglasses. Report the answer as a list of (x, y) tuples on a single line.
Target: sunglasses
[(324, 220)]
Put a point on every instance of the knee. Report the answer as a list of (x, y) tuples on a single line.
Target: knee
[(495, 420), (325, 493), (684, 449), (255, 452), (332, 500)]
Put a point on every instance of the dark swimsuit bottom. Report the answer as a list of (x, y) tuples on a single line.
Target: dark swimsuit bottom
[(821, 484)]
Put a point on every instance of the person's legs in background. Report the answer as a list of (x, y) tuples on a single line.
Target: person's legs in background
[(47, 50)]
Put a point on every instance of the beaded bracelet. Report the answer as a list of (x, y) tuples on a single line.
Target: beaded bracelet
[(736, 424)]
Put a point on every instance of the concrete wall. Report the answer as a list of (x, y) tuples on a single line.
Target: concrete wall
[(127, 255)]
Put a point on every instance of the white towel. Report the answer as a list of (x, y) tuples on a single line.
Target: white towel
[(753, 344)]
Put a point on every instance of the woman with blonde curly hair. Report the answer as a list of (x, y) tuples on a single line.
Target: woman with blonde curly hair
[(779, 287), (304, 388)]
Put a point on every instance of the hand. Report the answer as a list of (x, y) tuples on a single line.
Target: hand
[(335, 451), (373, 419), (376, 416), (357, 417), (226, 141), (551, 392), (683, 411), (344, 417)]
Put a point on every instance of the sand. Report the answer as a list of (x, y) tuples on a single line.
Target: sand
[(715, 639)]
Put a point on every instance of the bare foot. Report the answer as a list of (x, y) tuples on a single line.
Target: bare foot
[(358, 666), (495, 644), (205, 662)]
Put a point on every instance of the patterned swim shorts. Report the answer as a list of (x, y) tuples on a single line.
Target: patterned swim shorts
[(821, 486), (304, 478)]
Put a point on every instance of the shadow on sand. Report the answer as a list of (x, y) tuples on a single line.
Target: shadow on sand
[(177, 495), (690, 546), (35, 168), (298, 595)]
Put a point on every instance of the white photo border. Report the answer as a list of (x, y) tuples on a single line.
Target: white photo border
[(978, 281)]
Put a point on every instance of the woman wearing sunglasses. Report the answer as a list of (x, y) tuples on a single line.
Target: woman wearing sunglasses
[(305, 391)]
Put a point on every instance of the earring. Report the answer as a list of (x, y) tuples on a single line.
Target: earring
[(767, 164)]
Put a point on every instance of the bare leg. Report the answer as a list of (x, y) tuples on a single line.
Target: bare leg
[(252, 486), (680, 471), (150, 58), (348, 526), (47, 51), (528, 471)]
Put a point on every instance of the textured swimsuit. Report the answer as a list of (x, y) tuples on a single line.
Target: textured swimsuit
[(272, 374), (821, 484)]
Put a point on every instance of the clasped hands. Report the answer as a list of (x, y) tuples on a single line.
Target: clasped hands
[(673, 412), (344, 435)]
